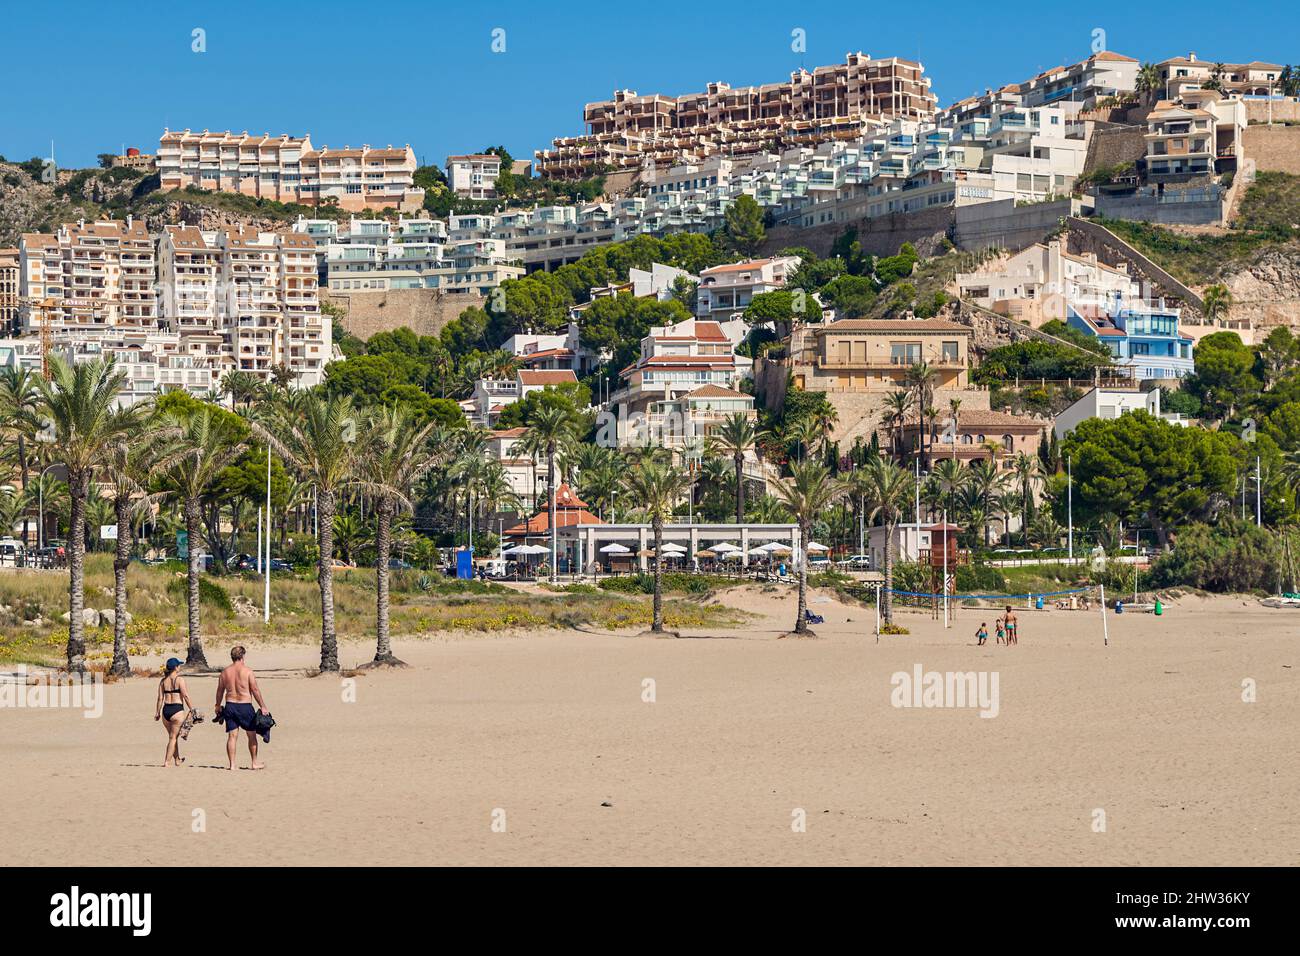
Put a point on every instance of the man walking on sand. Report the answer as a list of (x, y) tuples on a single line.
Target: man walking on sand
[(237, 685)]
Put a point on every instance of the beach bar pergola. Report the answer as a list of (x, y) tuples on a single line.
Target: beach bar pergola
[(589, 540)]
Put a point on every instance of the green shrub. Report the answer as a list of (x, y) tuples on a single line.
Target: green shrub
[(980, 579), (678, 582), (210, 593), (1233, 556)]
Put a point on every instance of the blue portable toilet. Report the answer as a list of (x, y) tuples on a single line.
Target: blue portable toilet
[(465, 564)]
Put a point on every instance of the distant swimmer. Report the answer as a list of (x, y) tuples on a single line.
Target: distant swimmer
[(237, 685)]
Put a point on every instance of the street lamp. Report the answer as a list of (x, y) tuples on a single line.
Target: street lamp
[(1069, 507)]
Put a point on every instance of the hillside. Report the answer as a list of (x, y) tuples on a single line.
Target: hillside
[(29, 205)]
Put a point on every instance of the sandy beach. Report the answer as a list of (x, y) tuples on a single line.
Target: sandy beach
[(745, 729)]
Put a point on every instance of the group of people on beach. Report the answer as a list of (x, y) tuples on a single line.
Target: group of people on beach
[(1007, 629), (236, 690)]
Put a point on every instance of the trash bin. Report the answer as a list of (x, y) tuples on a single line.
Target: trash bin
[(1039, 603), (1160, 608)]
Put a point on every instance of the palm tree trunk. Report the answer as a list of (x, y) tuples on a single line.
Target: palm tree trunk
[(194, 657), (657, 623), (383, 547), (550, 493), (886, 597), (121, 666), (329, 645), (78, 487), (740, 488), (801, 622)]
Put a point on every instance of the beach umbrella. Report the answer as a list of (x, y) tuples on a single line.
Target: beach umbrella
[(734, 555), (725, 548), (531, 549), (814, 546), (759, 553), (674, 547), (514, 550), (705, 553), (615, 549), (774, 546)]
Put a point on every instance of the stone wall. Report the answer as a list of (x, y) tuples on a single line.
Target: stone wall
[(423, 311), (1257, 111), (1273, 148), (1110, 147), (880, 236), (1004, 225)]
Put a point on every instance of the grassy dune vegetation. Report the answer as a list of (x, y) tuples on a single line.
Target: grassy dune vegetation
[(421, 605)]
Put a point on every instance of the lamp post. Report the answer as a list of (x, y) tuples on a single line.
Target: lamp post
[(1069, 507)]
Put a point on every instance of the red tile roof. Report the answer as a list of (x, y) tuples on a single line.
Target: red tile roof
[(546, 377)]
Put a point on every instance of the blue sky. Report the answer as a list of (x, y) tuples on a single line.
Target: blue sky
[(95, 75)]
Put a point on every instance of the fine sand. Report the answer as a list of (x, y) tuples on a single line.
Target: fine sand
[(540, 731)]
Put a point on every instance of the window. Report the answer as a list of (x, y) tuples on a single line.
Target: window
[(951, 352), (904, 353)]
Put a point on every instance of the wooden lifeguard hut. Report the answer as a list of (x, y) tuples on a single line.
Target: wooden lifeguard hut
[(943, 555)]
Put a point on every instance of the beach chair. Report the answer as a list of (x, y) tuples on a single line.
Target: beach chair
[(812, 618)]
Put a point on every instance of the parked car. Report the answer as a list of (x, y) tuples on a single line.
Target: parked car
[(819, 562), (856, 562), (397, 564), (279, 564)]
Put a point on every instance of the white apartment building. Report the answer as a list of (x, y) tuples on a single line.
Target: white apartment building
[(1108, 403), (289, 169), (1042, 282), (474, 176), (548, 353), (492, 395), (726, 291), (675, 362), (154, 362)]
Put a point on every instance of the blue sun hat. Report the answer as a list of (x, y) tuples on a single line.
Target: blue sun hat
[(172, 664)]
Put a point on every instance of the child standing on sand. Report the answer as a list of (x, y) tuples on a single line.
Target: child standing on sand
[(997, 623)]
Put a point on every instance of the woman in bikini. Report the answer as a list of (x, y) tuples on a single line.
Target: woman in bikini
[(173, 705)]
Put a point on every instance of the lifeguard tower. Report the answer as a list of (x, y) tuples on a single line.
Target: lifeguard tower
[(943, 556)]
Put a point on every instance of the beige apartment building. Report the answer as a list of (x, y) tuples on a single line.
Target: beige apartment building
[(874, 355), (840, 101), (1181, 73), (88, 276), (8, 291), (198, 303), (289, 169)]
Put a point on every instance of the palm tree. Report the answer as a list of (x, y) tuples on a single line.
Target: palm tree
[(318, 440), (986, 484), (205, 441), (735, 436), (348, 533), (1216, 303), (132, 465), (1148, 80), (860, 487), (242, 387), (551, 428), (954, 406), (20, 397), (768, 509), (920, 379), (1025, 468), (657, 486), (808, 491), (897, 405), (77, 403), (951, 475), (398, 451), (890, 494)]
